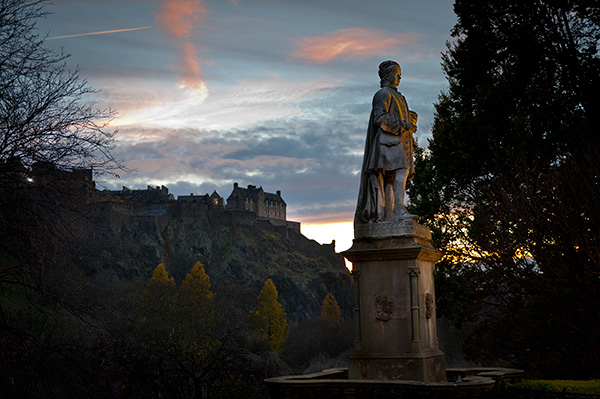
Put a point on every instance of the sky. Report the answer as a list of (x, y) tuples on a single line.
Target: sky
[(272, 93)]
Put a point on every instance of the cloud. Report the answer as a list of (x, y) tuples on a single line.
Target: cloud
[(240, 104), (178, 19), (191, 77), (311, 148), (351, 43), (311, 161)]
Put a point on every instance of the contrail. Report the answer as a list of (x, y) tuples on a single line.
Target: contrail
[(98, 33)]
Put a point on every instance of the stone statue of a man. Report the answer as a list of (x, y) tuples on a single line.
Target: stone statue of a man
[(388, 160)]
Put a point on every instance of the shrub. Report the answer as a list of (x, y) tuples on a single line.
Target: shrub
[(317, 338), (590, 387)]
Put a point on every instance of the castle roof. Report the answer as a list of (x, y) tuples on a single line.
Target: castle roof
[(214, 198), (251, 192)]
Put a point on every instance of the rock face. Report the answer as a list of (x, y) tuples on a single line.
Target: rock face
[(237, 249)]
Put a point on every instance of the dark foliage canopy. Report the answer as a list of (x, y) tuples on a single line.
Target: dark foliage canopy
[(510, 183)]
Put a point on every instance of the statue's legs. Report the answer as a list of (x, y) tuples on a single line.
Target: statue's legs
[(400, 211), (378, 196), (394, 187), (390, 206)]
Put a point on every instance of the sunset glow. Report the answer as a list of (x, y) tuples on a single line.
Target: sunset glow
[(323, 233)]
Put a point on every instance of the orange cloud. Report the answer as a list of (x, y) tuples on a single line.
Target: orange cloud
[(190, 67), (178, 18), (351, 43)]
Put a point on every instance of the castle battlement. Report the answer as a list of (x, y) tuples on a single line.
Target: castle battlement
[(263, 206)]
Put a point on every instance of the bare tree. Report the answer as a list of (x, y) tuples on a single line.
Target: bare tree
[(43, 115), (47, 126)]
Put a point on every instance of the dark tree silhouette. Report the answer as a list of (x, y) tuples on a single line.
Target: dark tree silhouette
[(510, 180), (49, 338)]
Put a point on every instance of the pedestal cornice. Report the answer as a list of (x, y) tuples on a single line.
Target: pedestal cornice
[(389, 249)]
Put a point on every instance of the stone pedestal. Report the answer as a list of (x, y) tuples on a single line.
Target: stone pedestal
[(395, 303)]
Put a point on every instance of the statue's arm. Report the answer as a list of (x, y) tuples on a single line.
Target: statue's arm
[(412, 125), (387, 121)]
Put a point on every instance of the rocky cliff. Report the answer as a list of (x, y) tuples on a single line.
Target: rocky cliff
[(239, 252)]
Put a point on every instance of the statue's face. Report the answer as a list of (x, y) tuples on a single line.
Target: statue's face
[(394, 77)]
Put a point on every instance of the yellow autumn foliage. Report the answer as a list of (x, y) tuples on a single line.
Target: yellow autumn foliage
[(158, 297), (268, 318), (330, 309), (197, 284), (160, 276), (178, 320)]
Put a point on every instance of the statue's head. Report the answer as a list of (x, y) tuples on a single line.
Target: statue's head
[(389, 72)]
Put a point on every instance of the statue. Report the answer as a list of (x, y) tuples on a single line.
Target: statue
[(388, 163)]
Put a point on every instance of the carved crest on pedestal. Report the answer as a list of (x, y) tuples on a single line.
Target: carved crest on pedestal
[(385, 307), (428, 305)]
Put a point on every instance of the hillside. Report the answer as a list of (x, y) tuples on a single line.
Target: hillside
[(239, 253)]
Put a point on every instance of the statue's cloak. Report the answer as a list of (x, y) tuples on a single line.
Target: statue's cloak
[(389, 146)]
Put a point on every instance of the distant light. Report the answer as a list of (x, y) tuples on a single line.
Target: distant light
[(30, 179)]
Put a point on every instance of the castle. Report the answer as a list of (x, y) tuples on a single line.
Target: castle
[(265, 205), (262, 205), (250, 205)]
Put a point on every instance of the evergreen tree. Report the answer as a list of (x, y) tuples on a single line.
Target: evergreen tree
[(196, 285), (183, 349), (510, 181), (195, 308), (268, 318), (158, 298), (330, 309), (160, 277)]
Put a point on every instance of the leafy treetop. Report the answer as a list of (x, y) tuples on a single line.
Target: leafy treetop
[(330, 309), (268, 318), (197, 283)]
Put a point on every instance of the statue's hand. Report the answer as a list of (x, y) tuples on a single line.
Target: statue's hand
[(409, 127)]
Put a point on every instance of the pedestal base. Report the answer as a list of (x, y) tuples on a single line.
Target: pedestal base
[(394, 310), (425, 366), (474, 383)]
